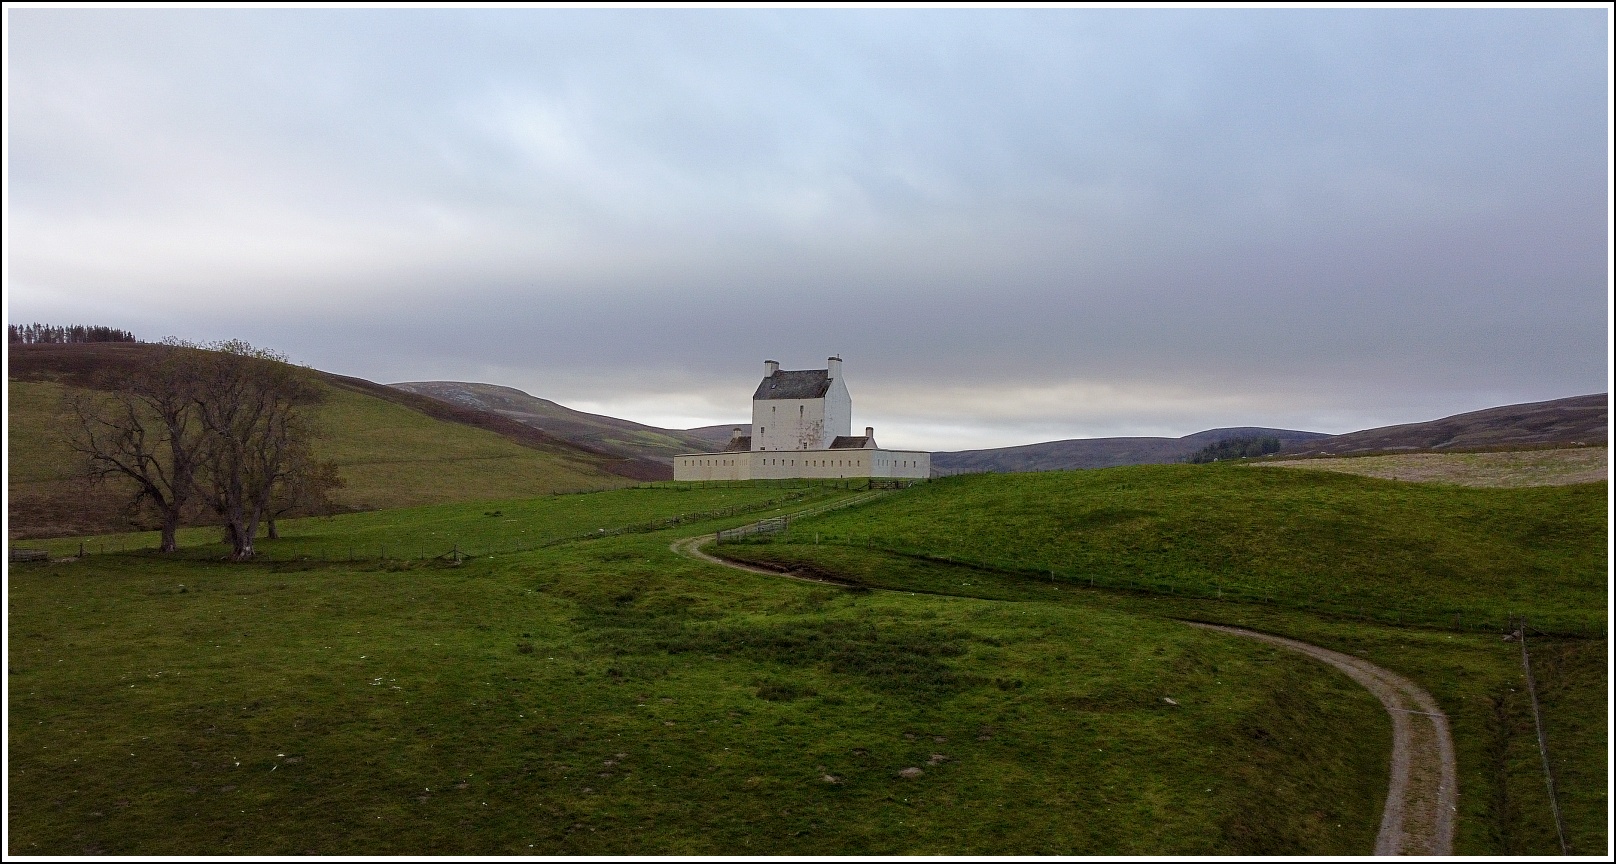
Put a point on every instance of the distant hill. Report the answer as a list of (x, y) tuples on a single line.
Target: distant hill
[(718, 436), (1100, 452), (393, 449), (1573, 421), (597, 431)]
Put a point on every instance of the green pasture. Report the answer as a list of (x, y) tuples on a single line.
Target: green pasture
[(598, 694), (1363, 548), (606, 696)]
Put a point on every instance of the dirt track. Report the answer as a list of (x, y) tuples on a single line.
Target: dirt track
[(1421, 799), (690, 547)]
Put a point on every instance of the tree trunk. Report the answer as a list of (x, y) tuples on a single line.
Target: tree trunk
[(241, 542), (246, 531), (171, 525), (274, 533), (236, 538)]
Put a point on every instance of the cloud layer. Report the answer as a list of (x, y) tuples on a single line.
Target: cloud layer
[(1014, 226)]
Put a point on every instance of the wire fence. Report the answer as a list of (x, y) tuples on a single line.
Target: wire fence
[(1519, 628), (778, 524)]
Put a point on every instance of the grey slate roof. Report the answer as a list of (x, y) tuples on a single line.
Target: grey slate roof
[(853, 442), (801, 384), (738, 444)]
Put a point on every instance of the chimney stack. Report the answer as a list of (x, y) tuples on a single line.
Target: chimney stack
[(869, 431), (770, 367), (833, 367)]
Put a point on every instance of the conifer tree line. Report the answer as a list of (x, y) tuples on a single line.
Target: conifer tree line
[(222, 430), (47, 334), (1235, 448)]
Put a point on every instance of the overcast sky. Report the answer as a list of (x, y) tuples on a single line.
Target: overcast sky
[(1013, 226)]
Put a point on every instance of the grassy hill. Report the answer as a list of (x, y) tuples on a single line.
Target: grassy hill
[(390, 452), (621, 437), (1325, 541), (1577, 421)]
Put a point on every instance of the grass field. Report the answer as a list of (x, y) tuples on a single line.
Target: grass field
[(388, 455), (604, 696), (1335, 543), (608, 697)]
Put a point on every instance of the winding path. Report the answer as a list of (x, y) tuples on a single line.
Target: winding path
[(1422, 796), (690, 547)]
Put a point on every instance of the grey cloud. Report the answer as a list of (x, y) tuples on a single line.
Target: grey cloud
[(1347, 215)]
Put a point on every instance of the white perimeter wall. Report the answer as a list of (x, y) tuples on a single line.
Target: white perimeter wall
[(713, 466), (790, 464)]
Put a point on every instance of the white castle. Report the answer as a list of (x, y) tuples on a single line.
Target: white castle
[(802, 426)]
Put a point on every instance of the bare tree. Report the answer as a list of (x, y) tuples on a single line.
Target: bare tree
[(304, 485), (140, 424), (251, 404), (223, 425)]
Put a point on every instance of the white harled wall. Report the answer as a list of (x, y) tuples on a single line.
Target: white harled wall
[(788, 424), (804, 424), (789, 464), (838, 412)]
